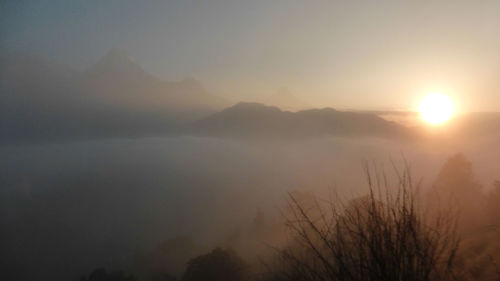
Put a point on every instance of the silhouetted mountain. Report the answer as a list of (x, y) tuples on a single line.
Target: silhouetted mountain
[(118, 61), (118, 78), (115, 97), (286, 101), (33, 95), (257, 120)]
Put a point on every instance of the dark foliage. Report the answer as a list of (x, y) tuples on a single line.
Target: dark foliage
[(101, 274), (220, 265)]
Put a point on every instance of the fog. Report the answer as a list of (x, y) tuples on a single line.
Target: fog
[(115, 168), (102, 202), (256, 141)]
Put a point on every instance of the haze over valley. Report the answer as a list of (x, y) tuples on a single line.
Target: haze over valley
[(249, 142)]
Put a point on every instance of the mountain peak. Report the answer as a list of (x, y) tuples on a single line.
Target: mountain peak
[(117, 62), (284, 99), (117, 59), (118, 55), (252, 106), (191, 83)]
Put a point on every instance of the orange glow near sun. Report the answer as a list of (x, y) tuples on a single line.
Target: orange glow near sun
[(436, 108)]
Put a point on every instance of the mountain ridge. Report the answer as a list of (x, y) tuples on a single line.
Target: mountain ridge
[(258, 120), (115, 97)]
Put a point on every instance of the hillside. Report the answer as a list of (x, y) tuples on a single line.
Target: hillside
[(256, 120), (116, 97)]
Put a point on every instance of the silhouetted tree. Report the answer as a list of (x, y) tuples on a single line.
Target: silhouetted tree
[(493, 204), (456, 187), (101, 274), (480, 250), (168, 258), (381, 236), (219, 265)]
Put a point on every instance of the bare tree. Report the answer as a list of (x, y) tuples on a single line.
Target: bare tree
[(381, 236)]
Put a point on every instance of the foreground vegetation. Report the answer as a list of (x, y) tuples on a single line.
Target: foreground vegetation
[(395, 232)]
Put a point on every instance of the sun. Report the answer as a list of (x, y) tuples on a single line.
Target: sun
[(436, 108)]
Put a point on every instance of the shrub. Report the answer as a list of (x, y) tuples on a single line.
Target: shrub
[(381, 236), (220, 265)]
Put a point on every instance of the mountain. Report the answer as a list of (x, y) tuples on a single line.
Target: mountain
[(33, 95), (117, 78), (254, 120), (286, 101), (116, 97)]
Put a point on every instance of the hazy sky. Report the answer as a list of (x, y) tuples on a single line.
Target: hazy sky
[(346, 54)]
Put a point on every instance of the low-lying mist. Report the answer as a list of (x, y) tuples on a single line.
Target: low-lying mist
[(104, 202)]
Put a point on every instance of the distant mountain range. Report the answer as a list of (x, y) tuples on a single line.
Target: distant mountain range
[(41, 101), (254, 120), (114, 98), (117, 79)]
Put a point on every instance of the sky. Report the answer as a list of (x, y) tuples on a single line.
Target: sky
[(345, 54)]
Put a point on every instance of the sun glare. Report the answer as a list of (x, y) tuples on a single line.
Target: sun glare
[(436, 108)]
